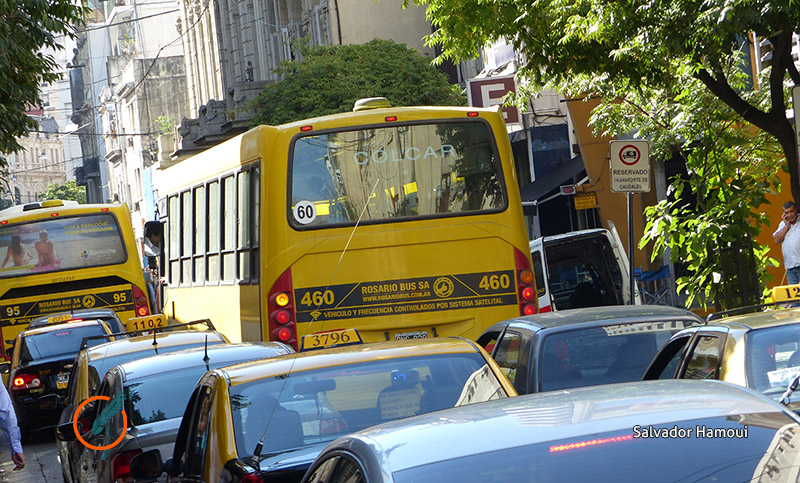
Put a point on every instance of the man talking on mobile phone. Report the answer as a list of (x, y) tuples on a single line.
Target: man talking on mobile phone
[(788, 237), (8, 423)]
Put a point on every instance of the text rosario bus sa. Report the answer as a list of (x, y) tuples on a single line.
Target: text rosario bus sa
[(60, 256), (400, 222)]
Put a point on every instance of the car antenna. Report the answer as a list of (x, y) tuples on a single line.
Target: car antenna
[(205, 356), (792, 387), (260, 444), (155, 342)]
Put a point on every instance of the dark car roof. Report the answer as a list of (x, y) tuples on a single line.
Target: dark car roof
[(550, 416), (82, 313), (217, 354), (597, 315), (145, 342)]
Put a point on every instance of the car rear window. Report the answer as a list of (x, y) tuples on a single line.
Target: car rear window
[(601, 355), (319, 405), (64, 341), (753, 447), (99, 367), (147, 401)]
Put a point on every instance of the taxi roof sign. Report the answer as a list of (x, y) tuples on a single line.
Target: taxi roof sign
[(786, 293)]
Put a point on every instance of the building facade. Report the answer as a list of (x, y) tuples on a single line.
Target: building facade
[(231, 50), (40, 163)]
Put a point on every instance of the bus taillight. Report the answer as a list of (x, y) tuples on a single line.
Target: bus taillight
[(526, 291), (140, 305), (282, 325)]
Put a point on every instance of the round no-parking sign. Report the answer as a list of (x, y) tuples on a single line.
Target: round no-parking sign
[(630, 166)]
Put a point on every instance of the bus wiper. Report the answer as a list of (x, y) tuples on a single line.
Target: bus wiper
[(353, 232), (792, 387)]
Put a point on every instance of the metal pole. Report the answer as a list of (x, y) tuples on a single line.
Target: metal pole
[(630, 247)]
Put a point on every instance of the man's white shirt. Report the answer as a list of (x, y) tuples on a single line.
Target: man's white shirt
[(8, 421), (791, 245)]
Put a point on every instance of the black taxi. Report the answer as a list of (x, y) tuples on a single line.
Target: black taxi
[(40, 367)]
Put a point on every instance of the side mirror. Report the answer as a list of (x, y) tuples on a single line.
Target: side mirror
[(147, 466), (10, 352), (49, 401), (173, 467), (65, 432), (5, 367)]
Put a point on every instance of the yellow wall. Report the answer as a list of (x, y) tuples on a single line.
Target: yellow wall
[(774, 210), (612, 206)]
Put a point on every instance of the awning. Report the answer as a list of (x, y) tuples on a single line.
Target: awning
[(562, 174)]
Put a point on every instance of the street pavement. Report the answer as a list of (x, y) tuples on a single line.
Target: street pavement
[(41, 461)]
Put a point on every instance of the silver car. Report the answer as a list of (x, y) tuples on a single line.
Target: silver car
[(642, 431), (153, 393)]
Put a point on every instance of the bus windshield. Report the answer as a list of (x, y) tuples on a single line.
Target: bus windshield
[(59, 244), (404, 171)]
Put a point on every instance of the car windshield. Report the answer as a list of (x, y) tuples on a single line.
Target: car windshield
[(316, 406), (602, 355), (64, 341), (738, 448), (773, 358)]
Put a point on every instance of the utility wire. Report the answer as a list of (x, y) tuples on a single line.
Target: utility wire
[(199, 18), (76, 133), (122, 22)]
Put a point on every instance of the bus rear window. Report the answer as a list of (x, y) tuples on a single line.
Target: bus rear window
[(59, 244), (403, 171)]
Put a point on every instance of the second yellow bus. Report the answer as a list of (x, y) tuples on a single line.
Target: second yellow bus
[(60, 256)]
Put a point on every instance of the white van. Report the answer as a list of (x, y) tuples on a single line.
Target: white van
[(585, 268)]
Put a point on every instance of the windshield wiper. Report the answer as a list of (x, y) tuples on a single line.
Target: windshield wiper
[(792, 387)]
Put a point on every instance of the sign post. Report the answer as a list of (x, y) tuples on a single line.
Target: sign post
[(630, 173)]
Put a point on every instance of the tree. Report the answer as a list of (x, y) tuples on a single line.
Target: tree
[(67, 191), (26, 29), (674, 72), (329, 79), (621, 47)]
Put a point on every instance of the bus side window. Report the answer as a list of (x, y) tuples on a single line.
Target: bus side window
[(173, 232), (214, 215), (229, 229), (245, 225)]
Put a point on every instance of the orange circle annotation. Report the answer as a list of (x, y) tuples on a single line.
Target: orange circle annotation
[(78, 434)]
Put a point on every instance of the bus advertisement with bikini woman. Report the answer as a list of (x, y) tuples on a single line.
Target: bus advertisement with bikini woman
[(61, 256)]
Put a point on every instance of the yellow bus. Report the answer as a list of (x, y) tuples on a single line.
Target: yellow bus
[(61, 256), (402, 222)]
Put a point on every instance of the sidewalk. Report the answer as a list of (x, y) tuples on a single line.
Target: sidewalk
[(7, 472), (41, 465)]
